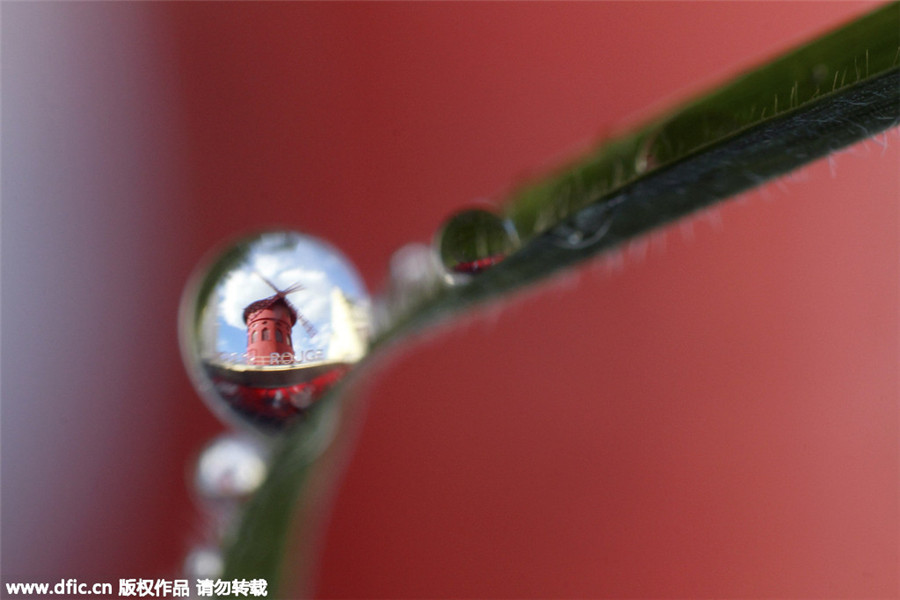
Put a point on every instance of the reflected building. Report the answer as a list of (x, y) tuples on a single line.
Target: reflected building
[(269, 324), (272, 383), (349, 329)]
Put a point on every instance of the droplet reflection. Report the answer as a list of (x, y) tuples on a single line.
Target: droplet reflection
[(271, 323), (473, 240)]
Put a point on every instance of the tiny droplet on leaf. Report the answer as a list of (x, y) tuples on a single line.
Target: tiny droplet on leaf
[(474, 240)]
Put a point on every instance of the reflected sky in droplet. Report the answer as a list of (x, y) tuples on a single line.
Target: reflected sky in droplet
[(285, 260)]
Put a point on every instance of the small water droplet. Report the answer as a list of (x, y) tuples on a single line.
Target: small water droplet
[(231, 467), (414, 276), (269, 324), (819, 74), (473, 240), (413, 270), (646, 158), (585, 228), (204, 562)]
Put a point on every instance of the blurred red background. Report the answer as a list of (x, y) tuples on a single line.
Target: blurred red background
[(715, 414)]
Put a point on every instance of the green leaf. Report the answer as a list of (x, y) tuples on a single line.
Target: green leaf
[(833, 92)]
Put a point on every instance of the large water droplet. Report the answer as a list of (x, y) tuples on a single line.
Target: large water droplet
[(473, 240), (269, 324)]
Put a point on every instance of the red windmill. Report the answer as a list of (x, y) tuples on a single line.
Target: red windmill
[(269, 324)]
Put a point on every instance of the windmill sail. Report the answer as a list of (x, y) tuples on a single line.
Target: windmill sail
[(281, 295)]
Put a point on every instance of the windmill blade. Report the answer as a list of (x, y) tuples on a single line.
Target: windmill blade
[(270, 284), (294, 288), (310, 330)]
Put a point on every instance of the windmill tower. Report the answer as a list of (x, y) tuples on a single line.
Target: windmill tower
[(270, 322)]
